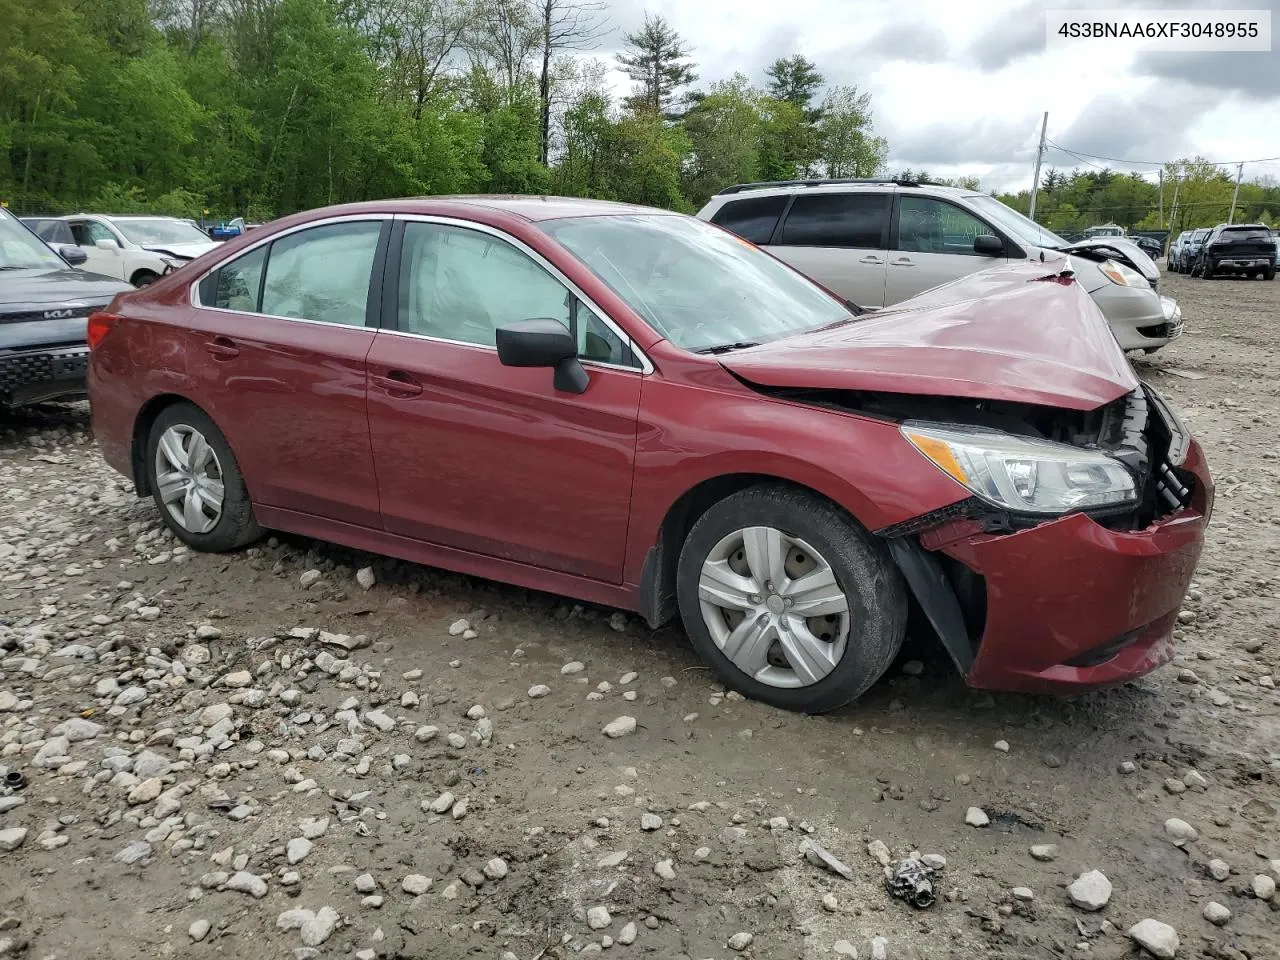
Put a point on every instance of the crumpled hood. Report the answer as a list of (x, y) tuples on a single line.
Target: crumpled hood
[(1018, 333), (1121, 249)]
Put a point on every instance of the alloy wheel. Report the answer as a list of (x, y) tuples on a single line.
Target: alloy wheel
[(189, 478), (773, 606)]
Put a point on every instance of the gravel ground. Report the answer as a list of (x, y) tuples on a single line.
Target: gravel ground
[(302, 751)]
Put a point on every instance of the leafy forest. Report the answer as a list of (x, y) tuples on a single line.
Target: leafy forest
[(257, 108), (263, 107)]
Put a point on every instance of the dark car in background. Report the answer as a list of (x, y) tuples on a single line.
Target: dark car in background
[(44, 306), (1191, 248), (1247, 249), (1174, 261)]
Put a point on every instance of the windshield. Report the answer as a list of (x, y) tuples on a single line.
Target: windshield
[(1246, 233), (697, 285), (1021, 228), (21, 250), (160, 231)]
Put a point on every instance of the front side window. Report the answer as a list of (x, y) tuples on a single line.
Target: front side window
[(926, 225), (460, 284), (20, 250), (837, 220), (752, 218), (695, 284), (235, 285), (89, 232), (322, 273)]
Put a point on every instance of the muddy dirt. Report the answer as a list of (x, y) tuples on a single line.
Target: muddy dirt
[(235, 783)]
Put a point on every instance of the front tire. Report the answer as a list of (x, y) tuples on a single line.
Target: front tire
[(196, 481), (144, 278), (789, 600)]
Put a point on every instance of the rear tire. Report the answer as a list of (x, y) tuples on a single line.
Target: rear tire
[(196, 481), (816, 633), (1269, 273)]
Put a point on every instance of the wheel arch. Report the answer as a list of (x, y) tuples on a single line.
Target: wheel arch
[(147, 415), (140, 271), (657, 594)]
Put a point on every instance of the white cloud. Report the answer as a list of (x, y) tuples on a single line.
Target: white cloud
[(958, 87)]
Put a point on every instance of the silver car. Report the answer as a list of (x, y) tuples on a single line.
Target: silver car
[(876, 242)]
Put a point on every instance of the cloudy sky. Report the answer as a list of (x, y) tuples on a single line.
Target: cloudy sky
[(959, 87)]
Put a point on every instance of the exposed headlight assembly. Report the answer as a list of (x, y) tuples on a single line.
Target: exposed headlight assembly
[(1118, 273), (1023, 474)]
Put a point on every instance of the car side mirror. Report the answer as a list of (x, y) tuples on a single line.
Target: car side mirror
[(70, 253), (988, 245), (543, 342), (105, 244)]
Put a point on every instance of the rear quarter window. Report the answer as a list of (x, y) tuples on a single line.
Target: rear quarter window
[(752, 218)]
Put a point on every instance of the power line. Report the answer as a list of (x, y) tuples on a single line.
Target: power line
[(1080, 155)]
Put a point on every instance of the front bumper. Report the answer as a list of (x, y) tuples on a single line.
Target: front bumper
[(42, 373), (1072, 605), (1140, 319)]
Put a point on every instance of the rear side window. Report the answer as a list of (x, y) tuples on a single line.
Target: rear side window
[(752, 218), (322, 274), (837, 220), (235, 285)]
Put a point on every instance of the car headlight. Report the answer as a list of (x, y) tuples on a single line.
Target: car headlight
[(1023, 474), (1118, 273)]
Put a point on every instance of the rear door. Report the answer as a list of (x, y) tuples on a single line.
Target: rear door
[(839, 240), (110, 261), (932, 244), (490, 459), (276, 353)]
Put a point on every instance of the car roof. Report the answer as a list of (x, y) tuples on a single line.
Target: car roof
[(783, 187)]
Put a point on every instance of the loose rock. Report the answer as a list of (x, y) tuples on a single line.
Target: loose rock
[(1158, 939)]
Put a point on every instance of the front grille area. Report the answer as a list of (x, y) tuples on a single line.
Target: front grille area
[(1157, 330), (41, 366)]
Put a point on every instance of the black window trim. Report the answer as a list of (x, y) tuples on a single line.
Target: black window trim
[(390, 308)]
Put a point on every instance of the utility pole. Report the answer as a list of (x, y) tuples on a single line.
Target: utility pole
[(1231, 217), (1162, 194), (1173, 208), (1035, 177)]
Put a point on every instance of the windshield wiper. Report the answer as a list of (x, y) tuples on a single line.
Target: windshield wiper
[(726, 347)]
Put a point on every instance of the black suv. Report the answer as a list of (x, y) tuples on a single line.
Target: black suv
[(44, 306), (1246, 248)]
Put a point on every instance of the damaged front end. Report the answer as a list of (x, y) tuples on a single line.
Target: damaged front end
[(997, 583)]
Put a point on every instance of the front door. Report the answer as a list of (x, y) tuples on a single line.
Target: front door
[(108, 261), (277, 354), (932, 244), (493, 460)]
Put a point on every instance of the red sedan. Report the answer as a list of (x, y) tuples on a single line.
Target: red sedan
[(639, 409)]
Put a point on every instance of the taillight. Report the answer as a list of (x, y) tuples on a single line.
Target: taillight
[(100, 325)]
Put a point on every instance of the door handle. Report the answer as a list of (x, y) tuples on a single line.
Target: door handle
[(397, 382), (871, 259), (903, 262), (222, 348)]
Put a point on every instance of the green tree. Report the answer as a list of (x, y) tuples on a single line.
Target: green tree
[(849, 147), (796, 80), (657, 62)]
